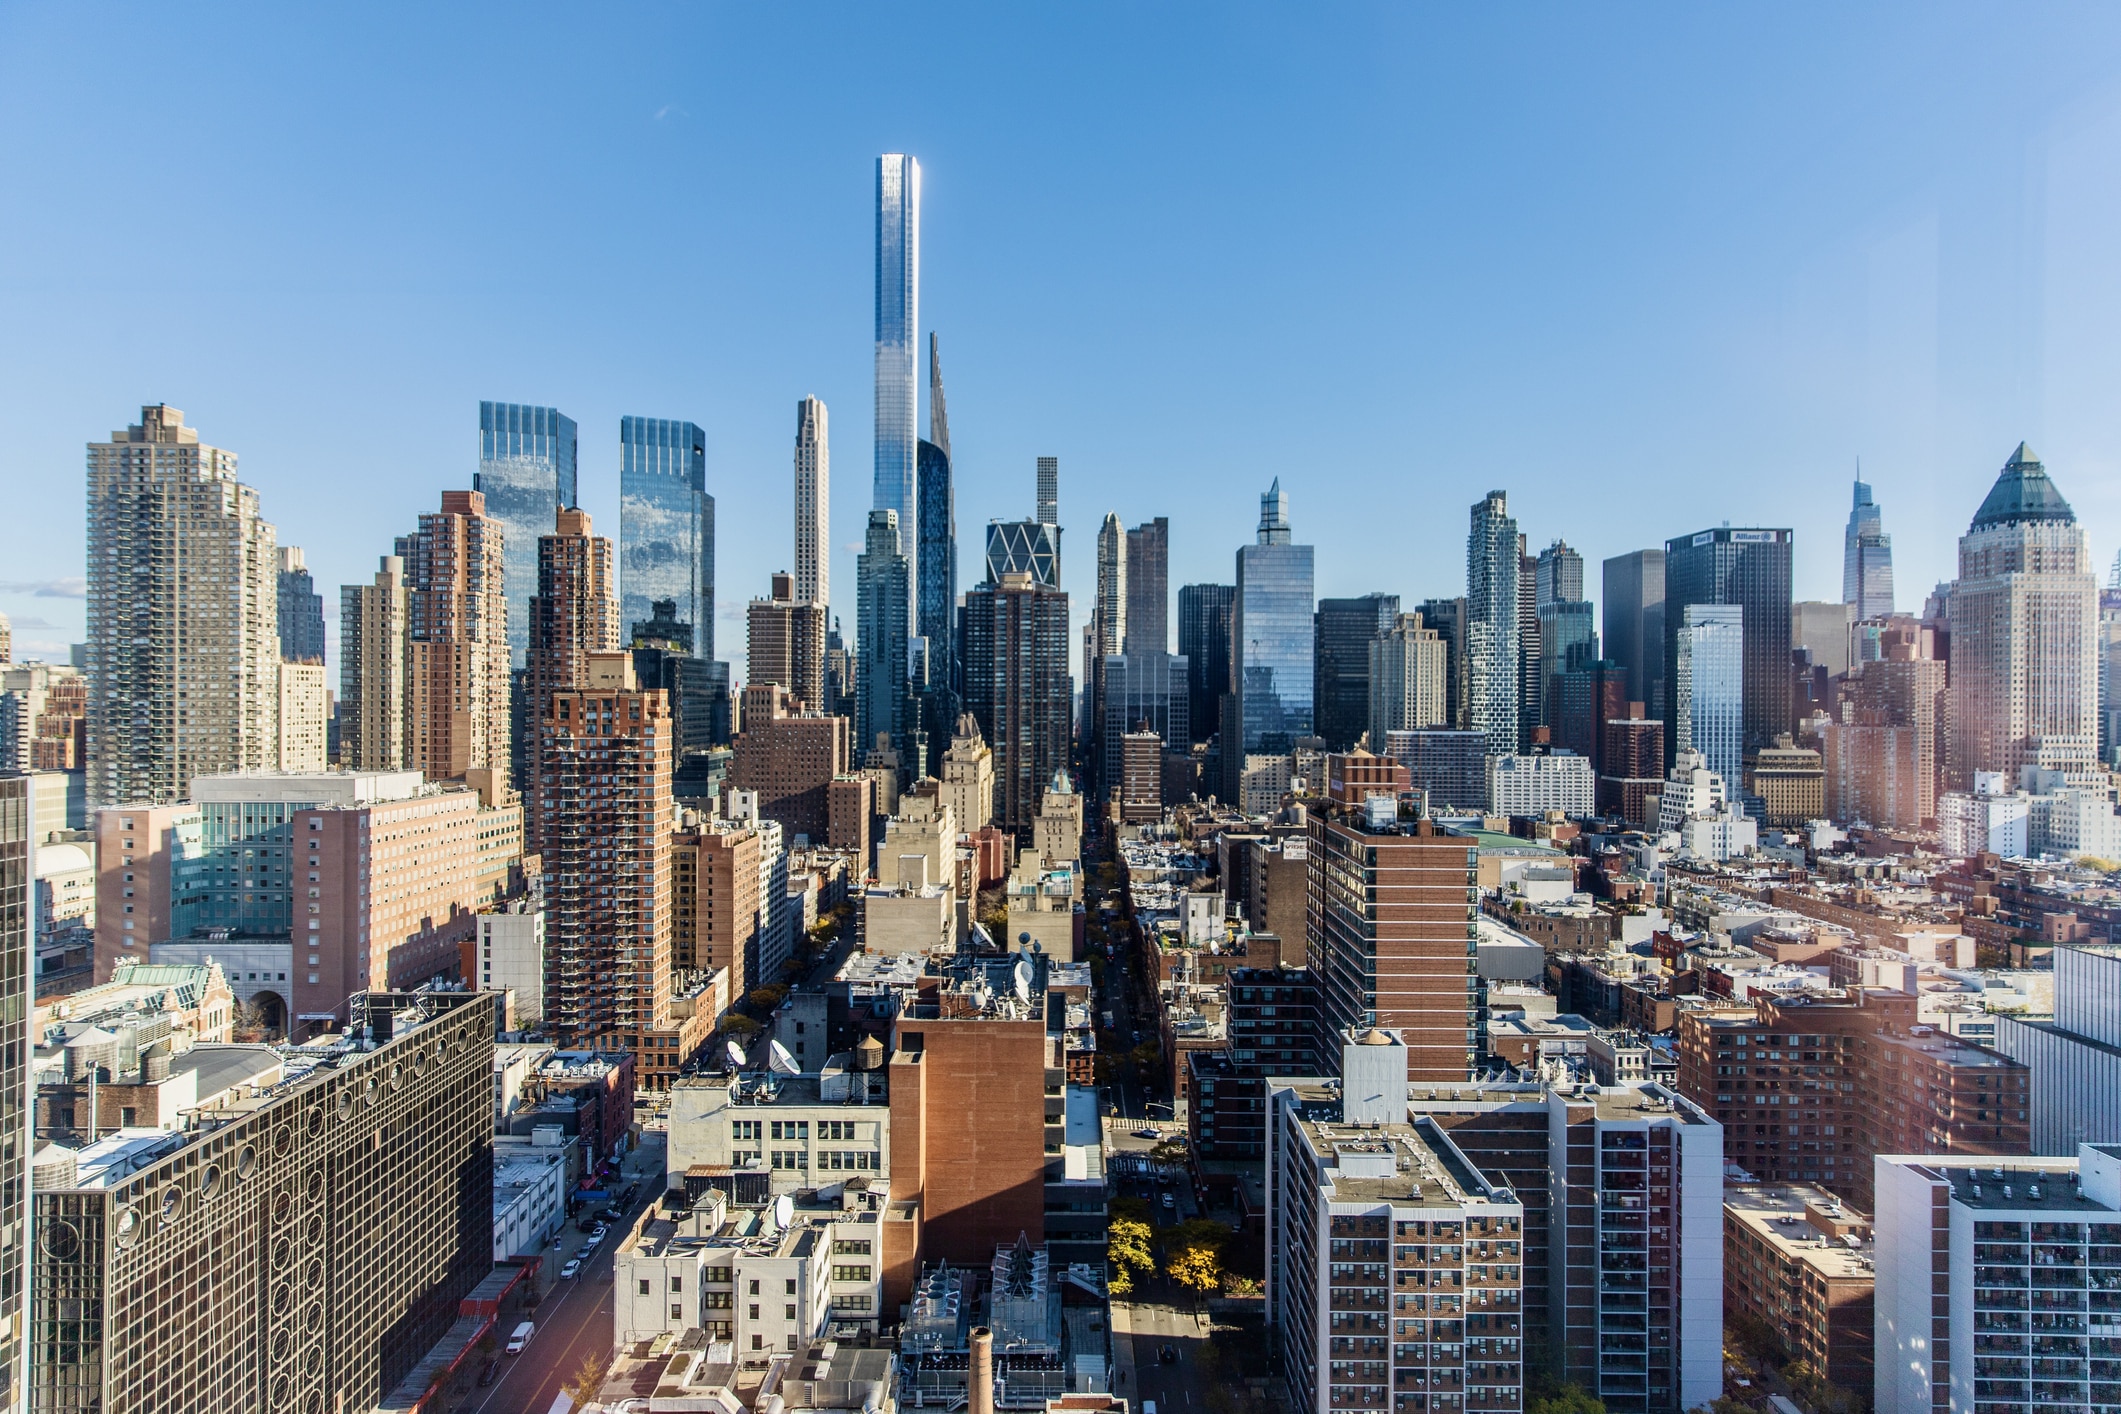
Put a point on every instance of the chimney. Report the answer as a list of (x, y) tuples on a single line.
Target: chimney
[(981, 1387)]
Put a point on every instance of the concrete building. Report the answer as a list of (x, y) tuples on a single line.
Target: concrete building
[(1822, 630), (1989, 819), (2075, 1059), (302, 719), (1696, 805), (968, 776), (1790, 781), (512, 957), (783, 1133), (1532, 785), (790, 757), (529, 1201), (1409, 679), (574, 614), (1799, 1265), (813, 505), (907, 918), (456, 654), (183, 608), (715, 882)]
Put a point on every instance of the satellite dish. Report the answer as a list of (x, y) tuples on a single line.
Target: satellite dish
[(783, 1210), (736, 1055), (780, 1062)]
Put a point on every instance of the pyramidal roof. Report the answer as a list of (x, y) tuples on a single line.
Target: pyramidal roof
[(2022, 493)]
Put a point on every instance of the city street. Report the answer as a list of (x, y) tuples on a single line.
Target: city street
[(1140, 1331)]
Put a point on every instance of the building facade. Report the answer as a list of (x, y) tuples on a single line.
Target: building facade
[(883, 579), (1866, 559), (1271, 637), (575, 613), (1634, 623), (1708, 706), (1343, 632), (1751, 569), (1204, 642), (1492, 623), (813, 503), (527, 475), (898, 323), (1017, 689), (666, 524)]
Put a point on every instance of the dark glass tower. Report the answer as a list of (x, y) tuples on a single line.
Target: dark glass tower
[(1634, 624), (1204, 642), (1340, 688), (1749, 568), (1018, 689), (936, 575), (301, 610), (666, 525), (1149, 587), (882, 638)]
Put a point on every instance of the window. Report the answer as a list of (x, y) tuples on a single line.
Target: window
[(790, 1159), (791, 1286), (791, 1316), (754, 1316), (851, 1247), (851, 1273), (717, 1274), (746, 1129), (677, 1283), (851, 1305), (835, 1129), (754, 1292), (791, 1129), (644, 1286), (677, 1312)]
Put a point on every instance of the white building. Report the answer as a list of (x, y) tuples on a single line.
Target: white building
[(2075, 1059), (908, 920), (1709, 715), (1409, 679), (512, 957), (2071, 822), (1533, 785), (305, 713), (808, 1133), (1697, 811), (1990, 819), (529, 1200)]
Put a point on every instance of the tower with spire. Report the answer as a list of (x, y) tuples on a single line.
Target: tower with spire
[(1866, 559)]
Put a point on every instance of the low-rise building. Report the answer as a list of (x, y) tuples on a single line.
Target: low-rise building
[(529, 1200), (793, 1132)]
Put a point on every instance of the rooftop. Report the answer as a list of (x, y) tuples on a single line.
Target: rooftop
[(1412, 1165), (1777, 1212)]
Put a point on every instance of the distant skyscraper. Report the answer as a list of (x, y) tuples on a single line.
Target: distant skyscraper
[(1749, 568), (1708, 711), (813, 504), (1109, 614), (1568, 640), (666, 525), (1271, 637), (1140, 688), (575, 613), (936, 572), (1340, 666), (898, 297), (1634, 623), (1560, 574), (787, 642), (1017, 688), (183, 615), (1491, 624), (2024, 620), (372, 670), (1204, 642), (1867, 559), (882, 634), (1531, 679), (1448, 618), (456, 650), (526, 473), (1030, 546), (1149, 587), (301, 610), (1409, 679), (1049, 490)]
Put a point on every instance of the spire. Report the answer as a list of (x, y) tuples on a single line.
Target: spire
[(2023, 493), (1274, 515), (938, 419)]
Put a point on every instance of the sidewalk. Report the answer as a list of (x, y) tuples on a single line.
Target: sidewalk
[(1125, 1382)]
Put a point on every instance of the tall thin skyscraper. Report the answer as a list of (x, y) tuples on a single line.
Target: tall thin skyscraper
[(1491, 624), (936, 573), (898, 298), (526, 473), (1749, 568), (1109, 615), (1204, 642), (666, 520), (1867, 559), (1448, 618), (1340, 689), (1531, 681), (456, 650), (813, 504), (882, 632), (183, 616), (1271, 638), (1560, 574), (1708, 713), (1017, 688), (2024, 617), (301, 610), (1049, 490), (1634, 623), (1149, 587), (575, 613)]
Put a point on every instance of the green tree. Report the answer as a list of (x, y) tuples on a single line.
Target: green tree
[(1566, 1399)]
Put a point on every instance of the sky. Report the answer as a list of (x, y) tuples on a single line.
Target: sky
[(1646, 268)]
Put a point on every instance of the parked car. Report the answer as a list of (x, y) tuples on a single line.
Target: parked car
[(573, 1268), (488, 1371), (1168, 1355), (1169, 1201), (521, 1338)]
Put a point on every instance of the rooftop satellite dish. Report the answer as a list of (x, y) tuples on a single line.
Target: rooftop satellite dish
[(736, 1055), (783, 1210), (780, 1062)]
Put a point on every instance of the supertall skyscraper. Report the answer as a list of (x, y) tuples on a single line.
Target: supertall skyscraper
[(526, 473), (666, 525), (2024, 617), (813, 504), (1749, 568), (1867, 559), (936, 572), (1491, 624), (183, 615), (1049, 490), (1271, 638), (1634, 623), (882, 634), (898, 298)]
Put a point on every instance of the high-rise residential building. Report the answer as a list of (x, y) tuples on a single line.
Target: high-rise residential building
[(1017, 688), (790, 758), (1049, 490), (1866, 559), (1391, 919), (302, 718), (18, 869), (787, 643), (2024, 631), (1581, 700), (1342, 632), (456, 660), (1708, 704), (347, 1208), (527, 474), (7, 640), (1409, 678), (1884, 740), (2075, 1059), (1822, 629), (1149, 587), (1631, 767), (183, 614), (715, 897), (575, 613), (1751, 569), (301, 610), (1492, 624), (1204, 642), (936, 571), (372, 670), (1531, 658), (1271, 638), (1634, 623), (1447, 765), (666, 524), (43, 718), (1559, 576), (882, 573), (1534, 784), (813, 503), (611, 985), (1448, 618), (898, 295)]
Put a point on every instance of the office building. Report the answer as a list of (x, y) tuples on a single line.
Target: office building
[(1558, 578), (1989, 819), (301, 610), (1634, 624), (1700, 806), (575, 613), (1568, 642), (527, 475), (787, 643), (347, 1205), (1866, 560), (882, 582), (183, 614), (1751, 569), (43, 718), (701, 710), (936, 570), (2075, 1059), (1271, 638), (1342, 634), (898, 294), (666, 524), (301, 718), (2024, 626), (2110, 670), (1409, 679), (1143, 691), (1023, 547), (968, 776), (1790, 783), (456, 664), (1531, 784), (1822, 629), (1017, 688), (1449, 767), (372, 694), (1995, 1281), (1448, 618), (1581, 700), (1708, 703), (813, 503), (1799, 1265), (1204, 642), (7, 640), (18, 868), (1492, 623), (1149, 588), (790, 755)]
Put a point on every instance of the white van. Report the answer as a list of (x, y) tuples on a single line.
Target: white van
[(1148, 1406), (521, 1337)]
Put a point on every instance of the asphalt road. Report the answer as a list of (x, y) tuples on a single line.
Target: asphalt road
[(1157, 1324)]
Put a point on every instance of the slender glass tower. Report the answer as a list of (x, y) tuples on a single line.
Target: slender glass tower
[(898, 297), (1867, 559), (666, 535), (526, 472), (1492, 668), (1271, 637)]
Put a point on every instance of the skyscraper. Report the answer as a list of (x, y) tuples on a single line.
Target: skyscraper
[(1204, 642), (787, 642), (936, 572), (666, 525), (1408, 680), (2024, 620), (526, 472), (1340, 666), (1531, 677), (1138, 689), (1560, 574), (575, 613), (1017, 688), (1708, 712), (183, 615), (1634, 623), (1491, 624), (372, 670), (1149, 587), (1448, 618), (1049, 490), (1271, 637), (1103, 636), (813, 504), (1568, 640), (1749, 568), (898, 297), (301, 610), (1866, 559), (17, 966), (882, 635), (456, 643)]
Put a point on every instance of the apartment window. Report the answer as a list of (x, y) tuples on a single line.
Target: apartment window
[(851, 1305), (754, 1292), (677, 1283), (644, 1286), (742, 1129), (677, 1312), (791, 1316), (791, 1129), (791, 1291)]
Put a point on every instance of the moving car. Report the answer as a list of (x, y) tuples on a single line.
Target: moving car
[(1168, 1355)]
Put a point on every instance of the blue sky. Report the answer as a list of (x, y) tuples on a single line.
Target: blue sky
[(1646, 268)]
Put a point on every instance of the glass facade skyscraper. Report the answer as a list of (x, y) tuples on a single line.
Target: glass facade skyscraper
[(898, 295), (1204, 642), (666, 525), (1341, 665), (880, 576), (1149, 587), (526, 473), (936, 569), (1867, 559), (1492, 611), (1634, 624), (1271, 635), (1749, 568), (1709, 712)]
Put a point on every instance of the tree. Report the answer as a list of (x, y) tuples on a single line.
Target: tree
[(738, 1027), (765, 998), (1127, 1250), (1197, 1269), (1567, 1399)]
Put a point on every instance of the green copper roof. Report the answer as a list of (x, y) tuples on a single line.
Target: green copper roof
[(2023, 493)]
